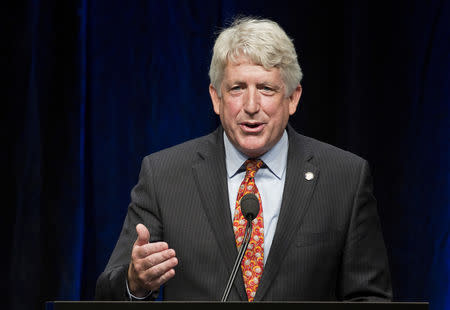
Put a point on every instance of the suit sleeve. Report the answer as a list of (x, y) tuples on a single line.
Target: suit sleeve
[(364, 274), (111, 284)]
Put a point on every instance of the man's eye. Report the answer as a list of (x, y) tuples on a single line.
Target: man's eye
[(236, 88), (267, 89)]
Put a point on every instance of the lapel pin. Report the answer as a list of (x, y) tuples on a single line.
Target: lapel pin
[(309, 176)]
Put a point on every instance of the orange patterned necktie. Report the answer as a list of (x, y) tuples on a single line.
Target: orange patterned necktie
[(253, 262)]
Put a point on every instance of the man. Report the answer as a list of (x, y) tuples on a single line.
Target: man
[(317, 235)]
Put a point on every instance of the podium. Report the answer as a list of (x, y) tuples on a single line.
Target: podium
[(166, 305)]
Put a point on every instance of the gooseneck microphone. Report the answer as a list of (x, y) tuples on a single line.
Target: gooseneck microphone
[(250, 210), (250, 207)]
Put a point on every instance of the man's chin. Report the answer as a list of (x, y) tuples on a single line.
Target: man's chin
[(251, 145), (253, 151)]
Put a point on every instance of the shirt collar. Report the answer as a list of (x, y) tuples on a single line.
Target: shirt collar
[(275, 159)]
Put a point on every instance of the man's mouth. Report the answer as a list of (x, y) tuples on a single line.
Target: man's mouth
[(252, 127)]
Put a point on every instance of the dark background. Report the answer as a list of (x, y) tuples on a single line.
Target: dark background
[(93, 86)]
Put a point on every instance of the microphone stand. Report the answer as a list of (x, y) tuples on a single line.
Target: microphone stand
[(237, 263)]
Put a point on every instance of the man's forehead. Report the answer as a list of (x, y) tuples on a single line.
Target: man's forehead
[(245, 60), (243, 70)]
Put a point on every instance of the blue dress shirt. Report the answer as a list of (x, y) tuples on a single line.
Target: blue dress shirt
[(269, 179)]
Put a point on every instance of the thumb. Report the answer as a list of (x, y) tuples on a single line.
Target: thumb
[(143, 235)]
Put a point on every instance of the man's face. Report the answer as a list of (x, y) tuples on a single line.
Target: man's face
[(253, 108)]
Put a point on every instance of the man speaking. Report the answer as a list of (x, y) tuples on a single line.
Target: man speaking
[(316, 234)]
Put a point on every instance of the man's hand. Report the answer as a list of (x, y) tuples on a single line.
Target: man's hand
[(151, 264)]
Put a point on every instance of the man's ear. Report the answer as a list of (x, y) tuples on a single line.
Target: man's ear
[(294, 99), (215, 99)]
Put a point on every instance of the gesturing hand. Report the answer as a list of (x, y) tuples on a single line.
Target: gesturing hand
[(151, 264)]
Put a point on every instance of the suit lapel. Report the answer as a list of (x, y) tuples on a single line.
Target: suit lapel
[(296, 196), (211, 180)]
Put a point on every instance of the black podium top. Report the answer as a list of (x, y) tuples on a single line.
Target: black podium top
[(166, 305)]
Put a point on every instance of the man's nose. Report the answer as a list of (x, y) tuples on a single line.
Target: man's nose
[(252, 104)]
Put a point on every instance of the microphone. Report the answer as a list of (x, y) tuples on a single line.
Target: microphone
[(250, 207), (250, 210)]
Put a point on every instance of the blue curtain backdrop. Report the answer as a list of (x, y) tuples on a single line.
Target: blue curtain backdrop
[(93, 86)]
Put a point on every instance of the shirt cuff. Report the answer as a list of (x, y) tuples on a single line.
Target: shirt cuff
[(135, 298)]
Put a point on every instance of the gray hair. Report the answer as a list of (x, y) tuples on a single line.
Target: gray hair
[(264, 42)]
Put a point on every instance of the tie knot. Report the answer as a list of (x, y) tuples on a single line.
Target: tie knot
[(252, 165)]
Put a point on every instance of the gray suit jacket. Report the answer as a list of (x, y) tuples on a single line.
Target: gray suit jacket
[(328, 243)]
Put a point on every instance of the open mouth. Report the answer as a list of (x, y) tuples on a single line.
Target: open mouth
[(252, 127)]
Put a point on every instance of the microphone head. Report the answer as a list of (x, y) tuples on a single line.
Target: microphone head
[(250, 206)]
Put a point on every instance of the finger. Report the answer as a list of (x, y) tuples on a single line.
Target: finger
[(143, 235), (141, 252), (159, 270), (157, 258), (156, 283)]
